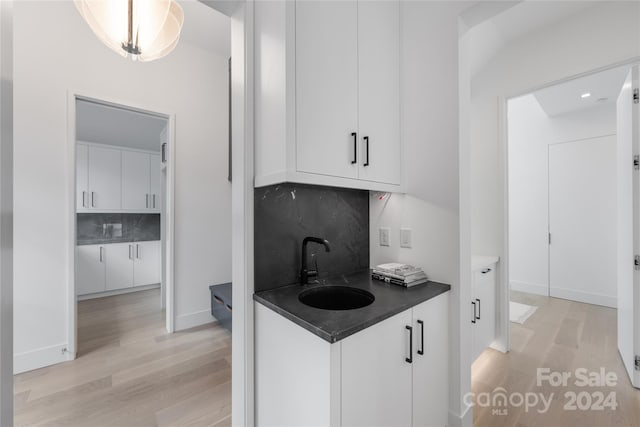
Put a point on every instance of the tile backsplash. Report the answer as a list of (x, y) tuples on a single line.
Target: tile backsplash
[(286, 213), (98, 228)]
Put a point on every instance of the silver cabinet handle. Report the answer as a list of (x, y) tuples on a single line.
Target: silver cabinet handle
[(101, 257), (130, 249), (146, 200), (137, 251), (93, 199), (84, 199), (164, 153), (154, 201)]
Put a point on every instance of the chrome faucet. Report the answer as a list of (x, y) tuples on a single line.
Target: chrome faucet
[(305, 273)]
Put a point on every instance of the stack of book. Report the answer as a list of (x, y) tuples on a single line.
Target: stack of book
[(399, 274)]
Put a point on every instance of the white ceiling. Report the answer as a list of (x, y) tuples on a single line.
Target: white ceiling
[(489, 37), (206, 28), (104, 124), (604, 88)]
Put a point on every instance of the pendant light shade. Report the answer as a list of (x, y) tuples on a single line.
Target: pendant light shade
[(143, 29)]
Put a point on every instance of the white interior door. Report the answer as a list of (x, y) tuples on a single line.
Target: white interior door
[(582, 220), (629, 227)]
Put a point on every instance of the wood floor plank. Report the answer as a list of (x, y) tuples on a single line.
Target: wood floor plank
[(562, 336), (130, 372)]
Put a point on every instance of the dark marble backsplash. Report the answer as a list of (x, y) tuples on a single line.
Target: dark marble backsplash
[(287, 213), (103, 228)]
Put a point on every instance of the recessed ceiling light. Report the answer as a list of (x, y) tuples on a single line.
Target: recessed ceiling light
[(585, 95)]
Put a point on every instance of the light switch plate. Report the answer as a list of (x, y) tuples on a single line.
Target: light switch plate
[(384, 237), (405, 237)]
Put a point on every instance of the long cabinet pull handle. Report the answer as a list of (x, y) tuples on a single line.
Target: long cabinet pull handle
[(154, 201), (355, 148), (421, 350), (478, 301), (146, 201), (486, 271), (164, 153), (410, 358), (130, 249), (93, 199), (84, 199), (101, 257), (137, 251), (366, 144), (473, 320)]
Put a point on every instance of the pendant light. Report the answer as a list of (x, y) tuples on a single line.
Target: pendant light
[(142, 29)]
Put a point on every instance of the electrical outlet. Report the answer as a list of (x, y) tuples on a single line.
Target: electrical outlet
[(384, 237), (405, 237)]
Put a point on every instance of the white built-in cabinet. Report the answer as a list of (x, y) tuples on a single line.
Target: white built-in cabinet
[(328, 93), (115, 266), (115, 179), (392, 373), (483, 306)]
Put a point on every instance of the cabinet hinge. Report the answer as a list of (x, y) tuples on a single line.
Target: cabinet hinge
[(636, 96), (636, 262), (637, 363)]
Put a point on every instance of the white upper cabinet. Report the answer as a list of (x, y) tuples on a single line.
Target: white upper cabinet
[(155, 182), (327, 94), (379, 91), (82, 177), (135, 180), (327, 87), (113, 179), (104, 178)]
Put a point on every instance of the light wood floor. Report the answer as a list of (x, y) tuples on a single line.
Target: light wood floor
[(130, 372), (563, 336)]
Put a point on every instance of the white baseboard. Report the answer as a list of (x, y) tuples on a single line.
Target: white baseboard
[(118, 292), (464, 420), (530, 288), (40, 358), (191, 320), (586, 297)]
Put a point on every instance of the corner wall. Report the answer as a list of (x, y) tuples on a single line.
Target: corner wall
[(53, 57)]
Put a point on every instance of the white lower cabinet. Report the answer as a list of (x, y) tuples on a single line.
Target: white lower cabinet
[(90, 270), (394, 373), (114, 266), (483, 306)]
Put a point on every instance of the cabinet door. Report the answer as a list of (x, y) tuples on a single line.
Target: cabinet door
[(376, 378), (104, 178), (484, 296), (327, 87), (119, 259), (82, 176), (379, 91), (90, 269), (431, 368), (155, 189), (146, 267), (135, 181)]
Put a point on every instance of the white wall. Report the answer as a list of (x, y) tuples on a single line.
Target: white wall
[(429, 117), (54, 56), (597, 37), (530, 132)]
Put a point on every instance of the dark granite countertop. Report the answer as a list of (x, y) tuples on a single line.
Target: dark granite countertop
[(108, 241), (333, 325)]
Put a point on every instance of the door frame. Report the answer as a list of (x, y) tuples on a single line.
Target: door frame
[(169, 202), (503, 151)]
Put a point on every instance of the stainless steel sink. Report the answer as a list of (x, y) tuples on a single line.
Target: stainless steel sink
[(336, 298)]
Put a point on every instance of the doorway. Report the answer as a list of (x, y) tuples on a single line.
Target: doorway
[(123, 218)]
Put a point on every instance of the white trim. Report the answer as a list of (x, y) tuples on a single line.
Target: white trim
[(117, 292), (585, 297), (191, 320), (6, 211), (41, 357), (119, 147), (530, 288), (242, 26), (169, 200)]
